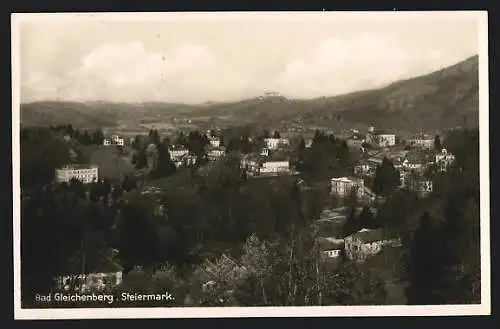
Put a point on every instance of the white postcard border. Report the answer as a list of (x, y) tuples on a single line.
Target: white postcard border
[(230, 312)]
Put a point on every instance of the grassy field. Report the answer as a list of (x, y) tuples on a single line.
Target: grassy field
[(111, 164)]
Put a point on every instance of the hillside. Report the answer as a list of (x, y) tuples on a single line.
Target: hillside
[(443, 99), (446, 98)]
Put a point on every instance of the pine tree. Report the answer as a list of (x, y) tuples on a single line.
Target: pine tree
[(437, 143), (164, 166), (386, 178), (425, 265)]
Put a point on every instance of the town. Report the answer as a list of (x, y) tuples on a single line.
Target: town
[(250, 164), (192, 200)]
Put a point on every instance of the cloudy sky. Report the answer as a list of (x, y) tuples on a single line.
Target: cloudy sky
[(194, 58)]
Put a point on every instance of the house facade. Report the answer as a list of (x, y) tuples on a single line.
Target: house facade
[(176, 154), (250, 165), (330, 248), (215, 153), (364, 168), (365, 243), (185, 160), (443, 160), (115, 140), (84, 173), (275, 143), (214, 142), (423, 143), (274, 167), (385, 140), (343, 186), (422, 187), (102, 273), (89, 282)]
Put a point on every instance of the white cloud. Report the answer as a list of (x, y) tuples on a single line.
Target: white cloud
[(130, 72), (339, 66), (234, 68)]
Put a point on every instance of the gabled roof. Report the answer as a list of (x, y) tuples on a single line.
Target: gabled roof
[(94, 263), (329, 244), (369, 236)]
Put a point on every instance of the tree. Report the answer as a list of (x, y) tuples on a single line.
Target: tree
[(140, 159), (353, 285), (425, 265), (137, 143), (255, 259), (154, 137), (302, 145), (181, 139), (386, 178), (461, 250), (41, 153), (351, 224), (276, 134), (97, 137), (138, 240), (437, 143), (128, 183), (165, 166), (366, 219)]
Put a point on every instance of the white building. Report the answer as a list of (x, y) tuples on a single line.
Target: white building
[(365, 243), (100, 274), (407, 165), (84, 173), (178, 153), (115, 139), (185, 160), (343, 186), (215, 153), (214, 142), (444, 160), (364, 169), (330, 248), (275, 167), (264, 152), (424, 143), (275, 143), (386, 140), (421, 186)]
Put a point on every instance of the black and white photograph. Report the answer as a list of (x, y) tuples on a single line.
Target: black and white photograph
[(250, 164)]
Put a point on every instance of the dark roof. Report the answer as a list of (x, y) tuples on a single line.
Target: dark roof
[(326, 244), (368, 236), (95, 263), (79, 166)]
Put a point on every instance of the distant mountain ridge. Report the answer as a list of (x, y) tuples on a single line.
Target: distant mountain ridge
[(443, 99)]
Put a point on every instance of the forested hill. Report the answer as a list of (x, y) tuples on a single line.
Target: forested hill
[(444, 99)]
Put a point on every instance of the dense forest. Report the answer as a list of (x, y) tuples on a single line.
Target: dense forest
[(262, 225)]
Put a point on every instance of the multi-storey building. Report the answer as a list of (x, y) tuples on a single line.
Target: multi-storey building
[(214, 142), (365, 243), (343, 186), (275, 143), (176, 154), (444, 160), (274, 167), (215, 153), (115, 139), (422, 187), (84, 173)]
